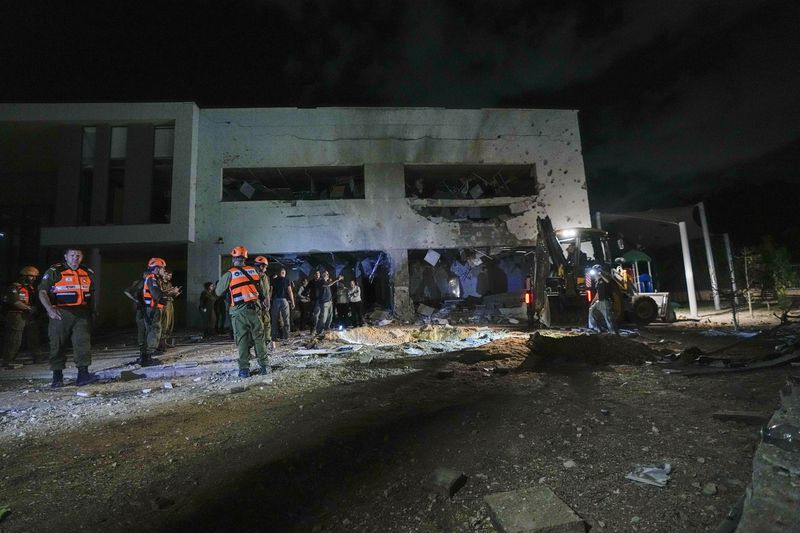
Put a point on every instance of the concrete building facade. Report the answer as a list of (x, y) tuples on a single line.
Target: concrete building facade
[(292, 182)]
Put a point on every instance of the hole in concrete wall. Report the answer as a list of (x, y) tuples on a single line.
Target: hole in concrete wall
[(470, 181), (292, 183), (483, 280), (464, 213)]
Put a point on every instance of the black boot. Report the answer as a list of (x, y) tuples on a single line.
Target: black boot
[(148, 360), (58, 379), (264, 370), (85, 377), (244, 372)]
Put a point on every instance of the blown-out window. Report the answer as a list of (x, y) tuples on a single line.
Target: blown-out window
[(292, 183)]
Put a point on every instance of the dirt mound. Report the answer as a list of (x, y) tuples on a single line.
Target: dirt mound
[(548, 350), (513, 349), (382, 336)]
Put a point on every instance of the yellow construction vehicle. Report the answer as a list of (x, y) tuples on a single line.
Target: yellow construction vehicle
[(559, 287)]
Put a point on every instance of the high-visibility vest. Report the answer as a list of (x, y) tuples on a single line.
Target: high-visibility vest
[(24, 295), (241, 289), (74, 288), (149, 301)]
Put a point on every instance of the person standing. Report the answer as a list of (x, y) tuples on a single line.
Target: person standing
[(601, 303), (134, 293), (342, 306), (242, 285), (323, 306), (168, 313), (154, 298), (208, 303), (20, 303), (261, 263), (354, 299), (66, 294), (282, 305)]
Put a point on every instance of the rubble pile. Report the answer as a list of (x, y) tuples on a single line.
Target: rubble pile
[(546, 350)]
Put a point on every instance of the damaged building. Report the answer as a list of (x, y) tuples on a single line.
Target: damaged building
[(422, 206)]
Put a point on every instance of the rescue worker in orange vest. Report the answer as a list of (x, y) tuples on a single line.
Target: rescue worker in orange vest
[(66, 294), (261, 263), (20, 305), (154, 298), (245, 301)]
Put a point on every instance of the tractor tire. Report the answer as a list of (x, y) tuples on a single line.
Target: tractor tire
[(645, 310)]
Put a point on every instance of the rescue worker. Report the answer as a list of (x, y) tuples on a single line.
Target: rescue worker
[(601, 303), (261, 263), (208, 304), (153, 297), (66, 292), (20, 304), (242, 284), (134, 293), (282, 305)]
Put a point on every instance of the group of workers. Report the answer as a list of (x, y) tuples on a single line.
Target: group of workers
[(259, 309)]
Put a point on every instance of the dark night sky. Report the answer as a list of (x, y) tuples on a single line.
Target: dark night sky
[(680, 100)]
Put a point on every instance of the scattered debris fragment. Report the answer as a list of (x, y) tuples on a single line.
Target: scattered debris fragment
[(535, 509), (447, 481), (653, 474)]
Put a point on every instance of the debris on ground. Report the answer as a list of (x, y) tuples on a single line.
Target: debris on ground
[(655, 474), (447, 481), (547, 350), (531, 510), (747, 417)]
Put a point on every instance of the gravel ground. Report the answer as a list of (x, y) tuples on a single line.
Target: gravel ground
[(348, 441)]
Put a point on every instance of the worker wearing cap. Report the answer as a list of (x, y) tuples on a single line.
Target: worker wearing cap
[(154, 298), (245, 303), (261, 263), (20, 304), (66, 294)]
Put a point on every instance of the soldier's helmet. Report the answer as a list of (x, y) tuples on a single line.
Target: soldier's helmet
[(29, 271), (239, 251), (156, 262)]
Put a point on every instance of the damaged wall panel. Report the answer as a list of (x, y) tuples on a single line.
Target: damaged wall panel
[(544, 144)]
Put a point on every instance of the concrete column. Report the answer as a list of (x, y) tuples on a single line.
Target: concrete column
[(95, 261), (712, 271), (138, 195), (384, 181), (403, 307), (69, 175), (731, 267), (687, 268), (102, 163)]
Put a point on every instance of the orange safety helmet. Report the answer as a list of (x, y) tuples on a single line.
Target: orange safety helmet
[(29, 271), (261, 260), (239, 251), (156, 262)]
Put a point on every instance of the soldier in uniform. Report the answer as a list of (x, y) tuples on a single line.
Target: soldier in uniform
[(134, 293), (168, 313), (66, 294), (20, 303), (261, 264), (154, 298), (243, 286)]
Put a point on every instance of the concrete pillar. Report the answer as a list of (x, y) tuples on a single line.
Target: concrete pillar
[(384, 181), (687, 268), (138, 195), (403, 308), (731, 267), (95, 261), (102, 163), (69, 175), (712, 271)]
